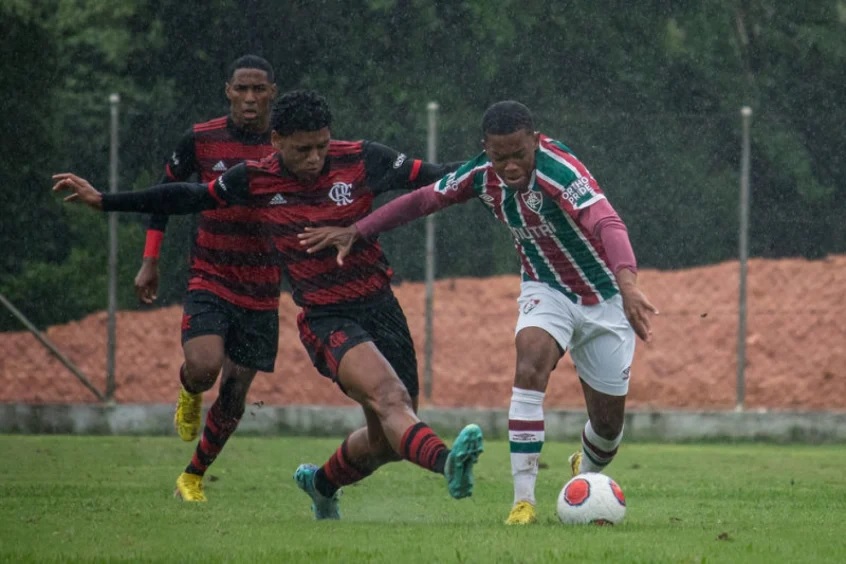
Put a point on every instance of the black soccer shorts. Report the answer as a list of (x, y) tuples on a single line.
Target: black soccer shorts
[(328, 332), (250, 337)]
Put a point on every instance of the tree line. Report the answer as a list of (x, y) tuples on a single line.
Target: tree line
[(647, 94)]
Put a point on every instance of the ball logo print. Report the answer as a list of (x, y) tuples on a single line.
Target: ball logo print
[(593, 499), (576, 492), (618, 492)]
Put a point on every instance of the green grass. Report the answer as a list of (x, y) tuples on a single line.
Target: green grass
[(109, 498)]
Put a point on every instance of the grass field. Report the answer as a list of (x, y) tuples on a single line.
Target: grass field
[(68, 498)]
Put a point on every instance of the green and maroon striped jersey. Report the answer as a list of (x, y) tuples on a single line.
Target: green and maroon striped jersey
[(553, 246)]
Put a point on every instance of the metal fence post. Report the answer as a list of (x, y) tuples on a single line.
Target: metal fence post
[(743, 252)]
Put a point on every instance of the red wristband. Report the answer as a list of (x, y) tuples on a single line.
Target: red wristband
[(153, 244)]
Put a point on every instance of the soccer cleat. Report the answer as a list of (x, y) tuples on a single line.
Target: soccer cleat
[(323, 507), (575, 461), (189, 487), (187, 416), (523, 513), (459, 464)]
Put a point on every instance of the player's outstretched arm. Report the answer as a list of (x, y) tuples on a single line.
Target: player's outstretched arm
[(178, 198), (81, 191), (318, 238)]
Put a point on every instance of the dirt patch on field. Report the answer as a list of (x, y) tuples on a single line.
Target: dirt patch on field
[(796, 346)]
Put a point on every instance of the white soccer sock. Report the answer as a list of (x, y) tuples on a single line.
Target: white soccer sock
[(597, 452), (525, 437)]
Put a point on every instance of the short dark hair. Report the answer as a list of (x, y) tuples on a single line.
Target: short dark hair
[(507, 117), (300, 110), (251, 62)]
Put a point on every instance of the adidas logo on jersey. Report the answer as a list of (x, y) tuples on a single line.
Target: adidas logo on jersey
[(277, 199), (219, 167)]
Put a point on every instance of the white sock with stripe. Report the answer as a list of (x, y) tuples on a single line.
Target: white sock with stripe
[(597, 452), (525, 438)]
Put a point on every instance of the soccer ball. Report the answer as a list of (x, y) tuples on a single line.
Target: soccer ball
[(591, 498)]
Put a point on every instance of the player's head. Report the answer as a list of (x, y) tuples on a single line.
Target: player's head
[(510, 141), (300, 132), (250, 89)]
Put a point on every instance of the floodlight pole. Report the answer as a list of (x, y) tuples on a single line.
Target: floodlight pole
[(111, 328), (431, 156), (743, 252)]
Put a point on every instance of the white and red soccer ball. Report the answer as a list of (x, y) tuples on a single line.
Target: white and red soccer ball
[(591, 498)]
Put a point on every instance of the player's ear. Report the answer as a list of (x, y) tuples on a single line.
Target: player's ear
[(227, 89), (536, 140), (275, 139)]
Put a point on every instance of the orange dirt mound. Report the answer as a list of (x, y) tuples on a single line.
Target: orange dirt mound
[(796, 346)]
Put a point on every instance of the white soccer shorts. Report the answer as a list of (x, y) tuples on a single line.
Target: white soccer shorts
[(600, 339)]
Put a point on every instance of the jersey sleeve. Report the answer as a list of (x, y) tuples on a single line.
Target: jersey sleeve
[(182, 162), (387, 169), (563, 177), (173, 198), (456, 187), (461, 184), (232, 188)]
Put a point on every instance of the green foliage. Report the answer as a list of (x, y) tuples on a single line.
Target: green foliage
[(77, 286), (109, 498), (648, 95), (26, 74)]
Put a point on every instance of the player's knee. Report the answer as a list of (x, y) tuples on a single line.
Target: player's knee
[(202, 370), (530, 374), (390, 396)]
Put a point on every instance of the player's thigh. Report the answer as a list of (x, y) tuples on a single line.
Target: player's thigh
[(253, 339), (388, 326), (206, 319), (367, 377), (327, 339), (603, 348), (544, 330), (546, 308)]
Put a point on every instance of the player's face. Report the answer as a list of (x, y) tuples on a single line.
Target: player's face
[(512, 156), (250, 95), (303, 152)]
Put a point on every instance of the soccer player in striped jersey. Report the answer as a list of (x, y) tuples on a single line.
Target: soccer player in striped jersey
[(579, 282), (230, 319), (351, 323)]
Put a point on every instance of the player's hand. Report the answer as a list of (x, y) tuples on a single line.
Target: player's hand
[(639, 310), (81, 189), (147, 281), (319, 238)]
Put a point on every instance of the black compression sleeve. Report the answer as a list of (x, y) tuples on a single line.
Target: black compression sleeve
[(181, 164), (176, 198)]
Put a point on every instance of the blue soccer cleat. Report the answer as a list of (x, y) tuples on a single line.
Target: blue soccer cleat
[(459, 464), (323, 507)]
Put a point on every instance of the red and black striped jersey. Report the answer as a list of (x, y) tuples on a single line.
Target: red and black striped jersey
[(354, 173), (231, 257)]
